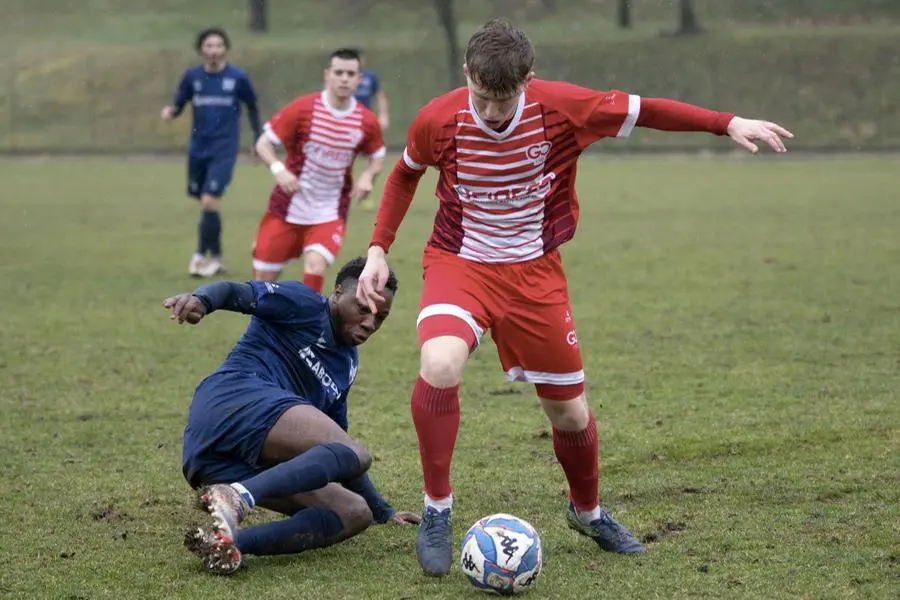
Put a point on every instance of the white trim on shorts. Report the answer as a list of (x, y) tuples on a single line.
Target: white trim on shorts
[(320, 249), (520, 374), (452, 310)]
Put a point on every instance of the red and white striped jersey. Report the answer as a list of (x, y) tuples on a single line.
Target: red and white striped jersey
[(321, 143), (509, 196)]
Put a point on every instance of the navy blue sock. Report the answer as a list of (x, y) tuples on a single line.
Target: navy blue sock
[(202, 246), (211, 232), (314, 469), (310, 528)]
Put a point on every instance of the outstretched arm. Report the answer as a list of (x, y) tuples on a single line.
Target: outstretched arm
[(227, 295), (671, 115), (599, 114)]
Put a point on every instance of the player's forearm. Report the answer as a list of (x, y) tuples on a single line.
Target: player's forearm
[(265, 149), (671, 115), (227, 295), (381, 510), (253, 116), (374, 168), (399, 190), (382, 105)]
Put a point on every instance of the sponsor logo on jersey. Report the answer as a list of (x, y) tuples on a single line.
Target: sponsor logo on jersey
[(326, 156), (315, 366), (537, 153), (508, 195)]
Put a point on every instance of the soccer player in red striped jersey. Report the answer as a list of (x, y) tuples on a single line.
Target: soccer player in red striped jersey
[(322, 133), (506, 147)]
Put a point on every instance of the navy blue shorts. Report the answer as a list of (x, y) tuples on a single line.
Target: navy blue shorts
[(210, 175), (228, 421)]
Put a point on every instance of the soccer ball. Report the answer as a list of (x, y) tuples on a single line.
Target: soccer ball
[(502, 554)]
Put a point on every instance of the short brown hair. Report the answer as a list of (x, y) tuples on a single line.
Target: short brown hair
[(499, 57)]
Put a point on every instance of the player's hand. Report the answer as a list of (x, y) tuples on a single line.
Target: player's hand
[(167, 113), (288, 182), (361, 189), (745, 131), (374, 276), (185, 307), (384, 122), (406, 518)]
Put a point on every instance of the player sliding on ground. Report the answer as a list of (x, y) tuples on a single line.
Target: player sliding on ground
[(269, 427), (506, 147)]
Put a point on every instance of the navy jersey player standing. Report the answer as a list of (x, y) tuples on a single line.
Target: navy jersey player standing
[(216, 91), (269, 426)]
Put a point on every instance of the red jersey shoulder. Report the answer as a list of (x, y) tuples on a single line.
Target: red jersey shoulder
[(297, 109), (560, 94), (444, 108), (370, 122)]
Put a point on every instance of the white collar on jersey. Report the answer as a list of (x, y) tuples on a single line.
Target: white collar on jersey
[(338, 114), (509, 128)]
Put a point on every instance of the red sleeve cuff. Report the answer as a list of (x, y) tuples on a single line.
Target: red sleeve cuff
[(671, 115)]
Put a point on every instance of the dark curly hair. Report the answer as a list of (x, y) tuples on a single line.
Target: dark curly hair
[(354, 268)]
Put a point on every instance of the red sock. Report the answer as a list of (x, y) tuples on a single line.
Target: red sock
[(435, 413), (316, 282), (577, 453)]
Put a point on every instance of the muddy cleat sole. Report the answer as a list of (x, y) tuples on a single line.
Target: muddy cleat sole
[(226, 507), (218, 552), (608, 533), (434, 542)]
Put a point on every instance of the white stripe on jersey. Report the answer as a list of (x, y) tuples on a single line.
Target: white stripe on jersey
[(502, 184)]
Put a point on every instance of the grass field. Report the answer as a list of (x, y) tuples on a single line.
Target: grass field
[(741, 328)]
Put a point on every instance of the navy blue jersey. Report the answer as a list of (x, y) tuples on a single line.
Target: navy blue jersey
[(216, 105), (291, 342), (368, 88)]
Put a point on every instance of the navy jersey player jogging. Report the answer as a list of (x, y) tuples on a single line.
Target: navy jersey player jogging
[(216, 91)]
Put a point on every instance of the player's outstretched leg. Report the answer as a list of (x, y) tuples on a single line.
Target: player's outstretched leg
[(576, 448), (435, 413)]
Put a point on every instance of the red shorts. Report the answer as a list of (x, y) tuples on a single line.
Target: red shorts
[(524, 305), (279, 242)]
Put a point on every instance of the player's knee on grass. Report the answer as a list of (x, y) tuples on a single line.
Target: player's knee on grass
[(565, 415), (355, 514), (442, 361)]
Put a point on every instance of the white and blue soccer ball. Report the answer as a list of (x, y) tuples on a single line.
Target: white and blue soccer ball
[(501, 554)]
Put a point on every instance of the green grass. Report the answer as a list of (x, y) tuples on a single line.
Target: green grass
[(741, 329)]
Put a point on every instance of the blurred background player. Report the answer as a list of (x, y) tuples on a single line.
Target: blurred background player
[(216, 91), (269, 427), (506, 147), (370, 89), (322, 133)]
